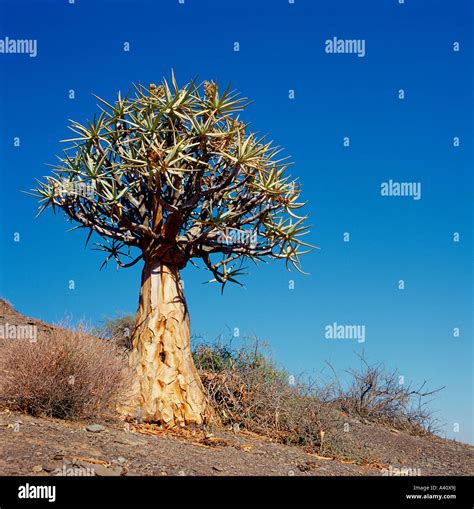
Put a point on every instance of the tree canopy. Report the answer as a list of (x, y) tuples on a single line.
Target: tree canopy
[(175, 173)]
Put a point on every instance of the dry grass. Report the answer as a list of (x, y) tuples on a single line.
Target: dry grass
[(68, 374)]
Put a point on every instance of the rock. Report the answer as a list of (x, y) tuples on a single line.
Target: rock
[(37, 469), (49, 468), (236, 427), (218, 469), (95, 428)]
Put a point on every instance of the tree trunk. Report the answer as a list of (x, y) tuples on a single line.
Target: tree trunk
[(166, 386)]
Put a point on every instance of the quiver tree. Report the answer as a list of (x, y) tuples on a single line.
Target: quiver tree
[(172, 176)]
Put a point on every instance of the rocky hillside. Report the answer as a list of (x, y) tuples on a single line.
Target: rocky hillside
[(108, 446)]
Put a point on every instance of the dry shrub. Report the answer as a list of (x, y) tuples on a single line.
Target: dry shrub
[(67, 374), (291, 415), (381, 396), (246, 388)]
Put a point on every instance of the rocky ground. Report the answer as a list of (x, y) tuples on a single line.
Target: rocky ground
[(44, 446)]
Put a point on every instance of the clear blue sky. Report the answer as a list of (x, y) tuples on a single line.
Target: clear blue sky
[(408, 47)]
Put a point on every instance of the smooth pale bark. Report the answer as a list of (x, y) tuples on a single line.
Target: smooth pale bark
[(166, 388)]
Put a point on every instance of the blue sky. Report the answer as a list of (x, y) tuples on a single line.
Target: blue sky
[(282, 48)]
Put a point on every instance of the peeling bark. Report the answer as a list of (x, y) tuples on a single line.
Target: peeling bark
[(167, 387)]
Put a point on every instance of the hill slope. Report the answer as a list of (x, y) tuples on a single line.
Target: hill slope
[(45, 446)]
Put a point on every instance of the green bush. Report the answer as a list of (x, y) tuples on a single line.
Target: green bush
[(119, 330)]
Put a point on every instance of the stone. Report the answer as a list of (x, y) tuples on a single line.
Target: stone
[(49, 468), (95, 428)]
